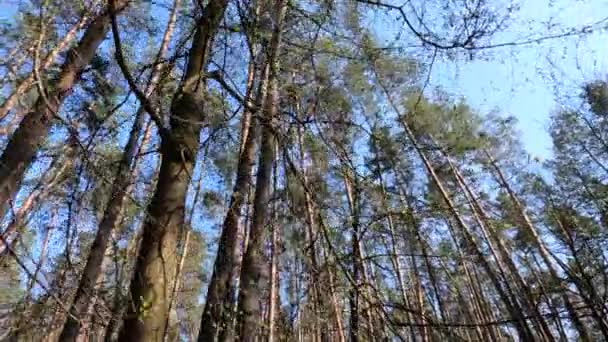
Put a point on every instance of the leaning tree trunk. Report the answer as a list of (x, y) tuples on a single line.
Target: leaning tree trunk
[(155, 270), (77, 323), (516, 314), (544, 252), (512, 306), (500, 252), (32, 131)]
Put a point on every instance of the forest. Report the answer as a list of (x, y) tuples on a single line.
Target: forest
[(295, 170)]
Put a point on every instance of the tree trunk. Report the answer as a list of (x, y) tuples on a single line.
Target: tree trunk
[(516, 314), (217, 315), (253, 272), (30, 135), (273, 300), (93, 270), (354, 299), (500, 252), (157, 261), (311, 237)]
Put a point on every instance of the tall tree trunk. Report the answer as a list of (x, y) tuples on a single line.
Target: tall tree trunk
[(32, 131), (273, 300), (152, 283), (354, 299), (311, 237), (551, 303), (480, 306), (93, 270), (254, 272), (217, 315), (512, 306)]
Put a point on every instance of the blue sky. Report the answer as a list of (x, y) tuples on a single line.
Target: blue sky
[(517, 81)]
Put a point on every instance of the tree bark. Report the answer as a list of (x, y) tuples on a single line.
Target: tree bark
[(109, 224), (157, 261)]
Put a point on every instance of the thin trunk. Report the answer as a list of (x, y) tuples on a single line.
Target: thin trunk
[(337, 312), (28, 138), (355, 329), (551, 303), (253, 272), (228, 333), (311, 237), (118, 305), (172, 328), (93, 270), (480, 306), (41, 260), (51, 180), (274, 279), (217, 314), (274, 250), (155, 270)]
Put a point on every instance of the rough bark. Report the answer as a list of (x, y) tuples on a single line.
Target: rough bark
[(109, 223), (155, 270)]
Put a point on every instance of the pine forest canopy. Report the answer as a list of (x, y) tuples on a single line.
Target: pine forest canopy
[(274, 170)]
